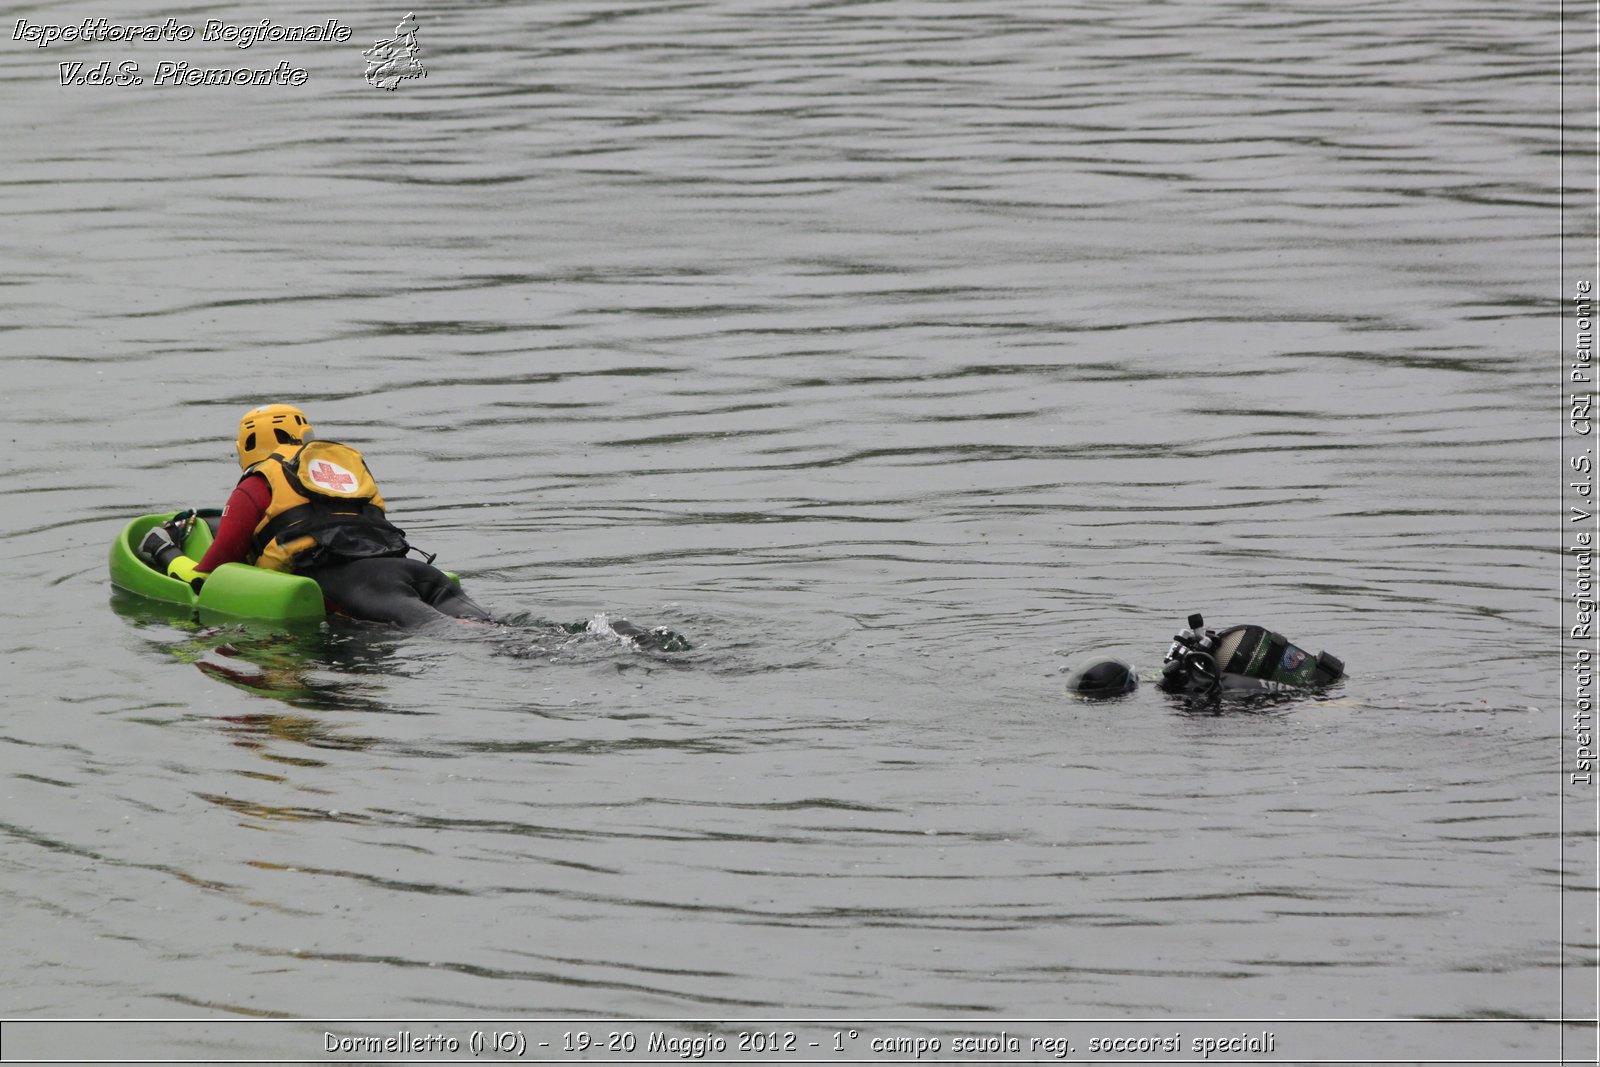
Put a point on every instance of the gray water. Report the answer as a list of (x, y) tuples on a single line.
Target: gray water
[(899, 354)]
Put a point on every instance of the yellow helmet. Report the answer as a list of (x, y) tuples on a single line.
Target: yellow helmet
[(265, 428)]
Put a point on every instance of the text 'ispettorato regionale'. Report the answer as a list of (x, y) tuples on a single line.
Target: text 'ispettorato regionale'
[(242, 34)]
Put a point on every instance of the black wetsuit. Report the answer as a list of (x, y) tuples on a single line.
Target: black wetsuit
[(395, 589)]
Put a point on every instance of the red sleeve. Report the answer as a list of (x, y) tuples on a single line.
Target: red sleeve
[(240, 518)]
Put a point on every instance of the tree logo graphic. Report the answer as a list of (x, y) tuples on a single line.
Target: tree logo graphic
[(393, 61)]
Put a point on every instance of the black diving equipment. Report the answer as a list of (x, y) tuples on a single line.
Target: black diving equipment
[(1242, 659)]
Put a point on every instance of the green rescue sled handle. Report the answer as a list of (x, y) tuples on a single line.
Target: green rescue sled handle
[(236, 589)]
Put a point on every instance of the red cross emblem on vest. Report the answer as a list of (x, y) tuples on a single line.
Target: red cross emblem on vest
[(323, 474)]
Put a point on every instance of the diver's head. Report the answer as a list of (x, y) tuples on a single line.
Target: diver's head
[(1102, 678), (265, 428)]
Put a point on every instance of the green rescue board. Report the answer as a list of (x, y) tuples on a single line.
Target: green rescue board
[(236, 589)]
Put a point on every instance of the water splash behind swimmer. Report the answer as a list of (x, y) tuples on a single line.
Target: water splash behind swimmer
[(655, 639)]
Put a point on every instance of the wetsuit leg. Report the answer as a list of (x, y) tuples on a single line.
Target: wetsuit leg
[(434, 586), (394, 589)]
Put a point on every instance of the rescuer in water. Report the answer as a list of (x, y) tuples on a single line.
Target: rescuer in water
[(1239, 660), (311, 507)]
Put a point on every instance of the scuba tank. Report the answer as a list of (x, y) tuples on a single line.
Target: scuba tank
[(1242, 658)]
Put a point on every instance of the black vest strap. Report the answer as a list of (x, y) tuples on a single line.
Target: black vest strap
[(339, 531), (1274, 657), (1239, 662)]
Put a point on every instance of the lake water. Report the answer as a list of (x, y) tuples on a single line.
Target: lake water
[(899, 354)]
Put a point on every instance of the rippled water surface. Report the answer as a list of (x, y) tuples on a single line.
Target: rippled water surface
[(897, 353)]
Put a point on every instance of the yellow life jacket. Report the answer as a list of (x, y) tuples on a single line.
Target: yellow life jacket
[(325, 508)]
